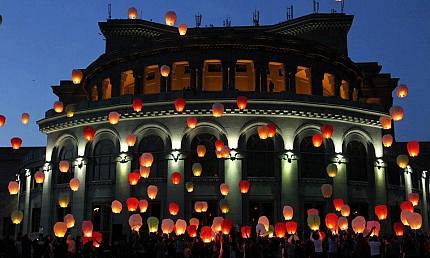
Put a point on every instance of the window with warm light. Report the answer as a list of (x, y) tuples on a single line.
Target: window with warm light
[(181, 76), (106, 89), (152, 80), (303, 81), (94, 93), (245, 75), (344, 90), (276, 77), (127, 83), (328, 85), (212, 75)]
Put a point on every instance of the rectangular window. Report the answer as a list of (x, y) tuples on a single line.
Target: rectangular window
[(214, 68), (241, 68), (35, 219)]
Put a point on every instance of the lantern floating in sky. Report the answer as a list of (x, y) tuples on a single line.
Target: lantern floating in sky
[(144, 172), (314, 222), (402, 91), (152, 224), (263, 132), (200, 206), (191, 122), (146, 159), (337, 203), (180, 227), (74, 184), (317, 140), (387, 140), (176, 178), (132, 13), (132, 204), (133, 178), (39, 177), (219, 144), (217, 223), (224, 189), (70, 110), (260, 230), (167, 226), (331, 220), (403, 216), (358, 224), (170, 18), (331, 170), (97, 239), (415, 220), (224, 206), (192, 231), (58, 106), (135, 222), (60, 229), (16, 143), (63, 200), (77, 76), (241, 102), (25, 117), (217, 109), (69, 220), (264, 221), (280, 230), (244, 186), (272, 130), (326, 190), (137, 105), (201, 151), (13, 187), (197, 169), (342, 223), (152, 191), (2, 120), (414, 198), (345, 210), (87, 228), (385, 122), (89, 133), (291, 227), (143, 205), (116, 207), (413, 148), (226, 226), (288, 212), (64, 166), (312, 211), (180, 105), (245, 231), (402, 161), (398, 229), (195, 222), (397, 113), (407, 205), (182, 29), (189, 186), (375, 225), (327, 131), (131, 140), (206, 234), (381, 211), (165, 71), (16, 217), (113, 117), (173, 208)]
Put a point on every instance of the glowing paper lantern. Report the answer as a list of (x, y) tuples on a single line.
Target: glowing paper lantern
[(198, 207), (206, 234), (288, 212), (376, 227), (173, 208), (263, 132), (131, 140), (191, 122), (144, 172), (397, 113), (312, 212), (63, 200), (398, 229), (314, 222), (403, 217), (70, 110), (331, 220), (326, 190), (402, 161), (385, 122), (195, 222), (64, 166), (217, 109), (224, 189), (219, 144), (345, 210), (146, 159), (358, 224), (225, 152), (192, 231), (74, 184), (407, 206), (224, 206), (16, 143), (135, 222), (58, 106), (317, 140), (272, 130), (16, 217), (414, 198), (13, 187), (39, 177), (97, 239), (402, 91), (381, 211), (217, 223), (260, 230), (77, 76), (132, 13), (337, 203), (245, 231), (342, 223), (69, 220), (280, 230), (133, 178), (413, 148), (2, 120), (167, 226), (89, 133), (132, 204), (244, 186), (152, 191), (60, 229), (165, 71), (116, 207), (387, 140), (180, 227), (226, 226), (327, 131), (241, 102), (137, 105), (189, 186), (180, 105), (87, 228), (170, 18), (182, 29), (176, 178), (201, 151), (25, 117), (331, 170), (152, 224), (291, 227), (264, 221), (143, 205), (197, 169), (415, 220)]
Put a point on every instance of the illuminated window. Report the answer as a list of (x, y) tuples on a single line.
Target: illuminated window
[(344, 90), (245, 75), (212, 80), (127, 83), (276, 77), (94, 93), (328, 85), (181, 76), (303, 81), (355, 94), (106, 89), (152, 80)]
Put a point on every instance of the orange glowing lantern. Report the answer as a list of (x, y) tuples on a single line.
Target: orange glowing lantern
[(170, 18), (70, 110), (288, 212), (116, 207), (39, 177), (137, 105), (25, 118), (398, 229), (407, 206), (195, 222), (415, 220), (387, 140), (327, 131), (241, 102), (224, 189), (385, 122), (244, 186), (60, 229), (143, 205), (413, 148), (182, 28), (132, 13), (2, 120), (206, 234), (219, 144), (192, 231), (225, 152), (312, 211), (337, 203), (16, 143), (173, 208), (317, 140), (152, 191), (331, 170), (13, 187), (165, 71), (87, 228), (381, 211), (58, 106), (331, 220), (226, 226), (191, 122), (245, 231), (77, 76), (217, 109), (342, 223), (97, 239), (358, 224), (69, 220), (272, 130), (397, 113), (263, 220), (16, 217), (113, 117), (402, 161), (89, 133), (131, 140), (144, 172), (189, 186), (167, 226), (74, 184), (263, 132), (414, 198), (133, 178), (291, 227), (326, 190), (402, 91), (135, 222), (403, 216), (132, 204), (201, 151), (224, 206), (197, 169), (146, 159), (180, 227), (376, 227), (176, 178), (314, 222), (63, 200), (180, 105), (64, 166), (345, 210), (280, 230)]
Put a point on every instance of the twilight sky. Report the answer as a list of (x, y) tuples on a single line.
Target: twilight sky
[(42, 41)]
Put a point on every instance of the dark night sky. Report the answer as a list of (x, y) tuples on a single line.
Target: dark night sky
[(42, 41)]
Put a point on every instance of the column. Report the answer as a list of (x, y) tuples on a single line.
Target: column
[(380, 183), (100, 90), (232, 177), (232, 75), (317, 76), (424, 200), (122, 192), (224, 75), (340, 182), (115, 81), (264, 69), (337, 84), (408, 181), (175, 193), (46, 211), (290, 184), (78, 197), (199, 76), (290, 74), (138, 81), (26, 220), (193, 74), (257, 77)]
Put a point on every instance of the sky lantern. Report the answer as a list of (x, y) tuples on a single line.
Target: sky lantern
[(74, 184), (245, 231), (381, 211), (402, 91), (197, 169), (217, 223), (58, 106), (132, 203), (272, 130), (288, 212), (189, 186), (327, 131), (69, 220), (264, 221), (413, 148), (225, 152), (89, 133), (337, 203), (331, 220), (201, 151), (113, 117), (358, 224), (206, 234), (398, 229), (226, 226), (198, 207), (16, 217), (342, 223), (39, 177), (77, 76), (167, 226), (133, 178), (16, 143), (173, 208), (195, 222), (146, 159), (135, 222), (263, 132), (376, 227), (387, 140), (415, 220), (182, 29), (63, 200), (191, 122), (205, 206), (131, 140), (132, 13), (13, 187), (244, 186), (402, 161), (312, 211), (224, 189), (403, 217), (331, 170), (241, 102), (224, 206), (326, 190), (144, 172), (385, 122), (143, 205), (180, 105), (137, 105), (414, 198), (165, 71), (219, 144), (260, 230), (2, 120), (314, 222), (176, 178), (407, 205), (192, 231), (60, 229), (152, 224), (170, 18), (97, 239), (70, 110), (152, 191), (87, 228), (397, 113), (116, 207), (345, 210), (217, 109), (291, 227), (317, 140), (180, 227), (25, 118), (64, 166), (280, 230)]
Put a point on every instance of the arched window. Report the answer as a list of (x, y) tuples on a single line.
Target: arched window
[(127, 83), (155, 145), (106, 89), (358, 164), (104, 165), (260, 157), (313, 161), (211, 165), (94, 93), (67, 152)]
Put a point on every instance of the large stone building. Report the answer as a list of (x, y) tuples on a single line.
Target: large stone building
[(296, 74)]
